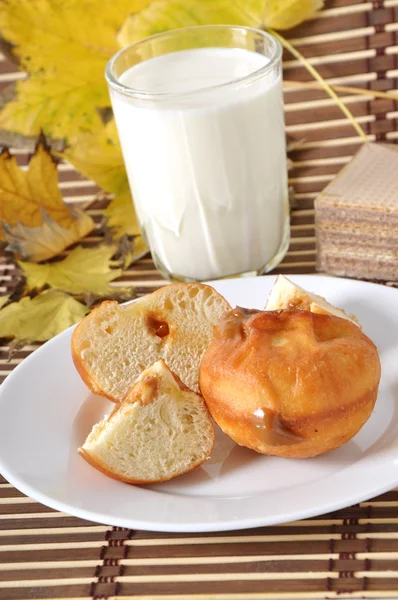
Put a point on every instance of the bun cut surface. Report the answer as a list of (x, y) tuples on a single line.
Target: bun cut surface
[(288, 295), (160, 430), (114, 344)]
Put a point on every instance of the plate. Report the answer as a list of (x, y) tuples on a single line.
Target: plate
[(46, 413)]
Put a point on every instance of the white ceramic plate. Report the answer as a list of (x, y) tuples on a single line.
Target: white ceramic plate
[(46, 412)]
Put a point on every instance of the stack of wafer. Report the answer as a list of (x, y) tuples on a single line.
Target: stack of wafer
[(356, 217)]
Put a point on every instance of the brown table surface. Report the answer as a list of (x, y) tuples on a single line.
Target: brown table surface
[(350, 553)]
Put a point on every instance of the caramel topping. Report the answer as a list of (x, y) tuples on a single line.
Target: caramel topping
[(272, 430), (231, 324), (157, 326), (148, 389), (247, 312)]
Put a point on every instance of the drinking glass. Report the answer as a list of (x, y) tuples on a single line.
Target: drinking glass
[(199, 113)]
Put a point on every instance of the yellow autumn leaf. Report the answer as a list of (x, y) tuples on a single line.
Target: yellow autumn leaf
[(64, 46), (121, 216), (99, 157), (140, 249), (137, 249), (84, 270), (53, 105), (45, 241), (34, 218), (163, 15), (40, 318), (4, 300), (285, 14)]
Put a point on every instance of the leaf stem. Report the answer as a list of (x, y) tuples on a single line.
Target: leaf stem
[(322, 82), (342, 88)]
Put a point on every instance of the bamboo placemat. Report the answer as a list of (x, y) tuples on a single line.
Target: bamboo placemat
[(351, 553), (46, 554)]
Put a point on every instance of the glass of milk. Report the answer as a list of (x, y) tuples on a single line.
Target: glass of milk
[(199, 113)]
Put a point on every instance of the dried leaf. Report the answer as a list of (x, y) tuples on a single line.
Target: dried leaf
[(45, 241), (4, 300), (23, 142), (41, 318), (35, 220), (16, 346), (293, 143), (7, 49), (163, 15), (121, 216), (85, 270), (130, 251), (285, 14), (122, 294), (293, 202), (64, 46), (56, 106), (18, 286), (138, 251), (99, 157)]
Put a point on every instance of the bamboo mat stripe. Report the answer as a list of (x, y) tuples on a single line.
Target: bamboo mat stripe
[(350, 9), (352, 553), (259, 596)]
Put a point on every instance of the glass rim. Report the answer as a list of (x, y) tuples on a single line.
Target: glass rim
[(126, 90)]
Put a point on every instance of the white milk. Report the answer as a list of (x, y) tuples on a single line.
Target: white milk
[(207, 170)]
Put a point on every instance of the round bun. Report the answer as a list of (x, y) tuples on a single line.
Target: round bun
[(289, 383)]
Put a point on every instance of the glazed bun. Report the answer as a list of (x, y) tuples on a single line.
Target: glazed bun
[(289, 383)]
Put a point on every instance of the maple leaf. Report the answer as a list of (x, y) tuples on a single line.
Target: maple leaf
[(57, 107), (131, 251), (46, 240), (99, 157), (4, 300), (163, 15), (84, 270), (35, 220), (285, 14), (121, 216), (40, 318), (16, 345), (64, 46)]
